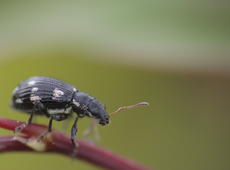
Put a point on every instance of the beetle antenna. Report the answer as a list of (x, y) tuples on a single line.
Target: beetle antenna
[(122, 108)]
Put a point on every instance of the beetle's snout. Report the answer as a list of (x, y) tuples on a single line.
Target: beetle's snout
[(104, 121)]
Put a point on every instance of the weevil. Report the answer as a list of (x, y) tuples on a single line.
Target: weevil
[(56, 100)]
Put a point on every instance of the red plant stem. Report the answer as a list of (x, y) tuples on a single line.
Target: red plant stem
[(60, 143)]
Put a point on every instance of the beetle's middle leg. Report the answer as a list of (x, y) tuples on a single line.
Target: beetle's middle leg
[(57, 117), (38, 106), (49, 130)]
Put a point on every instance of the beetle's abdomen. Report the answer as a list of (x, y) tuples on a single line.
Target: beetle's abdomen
[(52, 93)]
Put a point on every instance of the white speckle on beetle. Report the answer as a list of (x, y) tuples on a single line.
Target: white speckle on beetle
[(32, 82), (57, 93), (14, 91), (18, 100), (76, 103), (35, 98), (68, 110), (74, 89), (90, 115), (91, 97), (34, 89), (55, 111)]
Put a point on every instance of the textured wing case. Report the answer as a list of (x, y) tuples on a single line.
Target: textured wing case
[(52, 93)]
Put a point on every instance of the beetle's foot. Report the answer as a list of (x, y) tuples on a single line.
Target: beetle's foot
[(19, 128), (43, 135), (75, 149)]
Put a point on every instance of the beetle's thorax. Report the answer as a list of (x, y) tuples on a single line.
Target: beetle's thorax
[(80, 103), (86, 105)]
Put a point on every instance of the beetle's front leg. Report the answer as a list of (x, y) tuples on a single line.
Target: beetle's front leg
[(74, 130)]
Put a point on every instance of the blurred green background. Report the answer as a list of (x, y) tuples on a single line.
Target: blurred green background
[(173, 54)]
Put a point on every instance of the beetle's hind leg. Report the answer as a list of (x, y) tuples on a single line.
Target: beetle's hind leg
[(19, 128), (38, 106)]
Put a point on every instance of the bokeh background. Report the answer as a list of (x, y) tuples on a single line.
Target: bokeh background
[(173, 54)]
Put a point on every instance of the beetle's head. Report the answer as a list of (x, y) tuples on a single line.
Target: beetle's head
[(97, 111), (86, 105)]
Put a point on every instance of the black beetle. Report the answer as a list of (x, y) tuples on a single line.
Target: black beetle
[(56, 100)]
